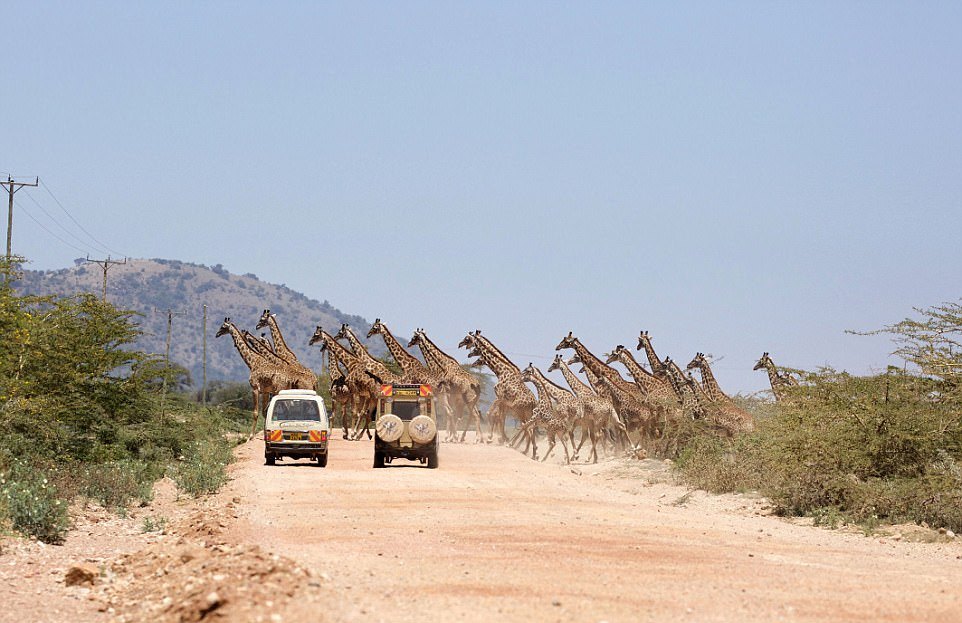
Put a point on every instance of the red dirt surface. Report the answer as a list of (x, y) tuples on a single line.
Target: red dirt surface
[(491, 535)]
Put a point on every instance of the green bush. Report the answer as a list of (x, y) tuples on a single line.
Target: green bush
[(31, 503), (114, 484), (203, 469)]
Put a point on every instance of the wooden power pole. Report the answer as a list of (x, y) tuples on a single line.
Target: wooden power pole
[(105, 265), (163, 390), (13, 187), (204, 389)]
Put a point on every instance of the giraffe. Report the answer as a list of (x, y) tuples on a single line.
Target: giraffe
[(413, 370), (598, 410), (628, 398), (690, 406), (610, 429), (364, 385), (266, 377), (340, 390), (547, 414), (657, 367), (360, 351), (723, 411), (778, 380), (461, 389), (302, 376), (283, 351), (660, 394), (568, 406), (512, 396)]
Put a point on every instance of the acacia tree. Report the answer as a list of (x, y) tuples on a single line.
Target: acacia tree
[(933, 342)]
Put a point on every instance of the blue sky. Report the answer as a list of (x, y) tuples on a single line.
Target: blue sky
[(732, 177)]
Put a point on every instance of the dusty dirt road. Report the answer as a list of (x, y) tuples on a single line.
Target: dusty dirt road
[(490, 536), (493, 536)]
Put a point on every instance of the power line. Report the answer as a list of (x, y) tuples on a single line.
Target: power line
[(41, 225), (77, 223), (51, 217)]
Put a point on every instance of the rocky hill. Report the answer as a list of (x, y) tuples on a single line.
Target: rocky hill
[(150, 287)]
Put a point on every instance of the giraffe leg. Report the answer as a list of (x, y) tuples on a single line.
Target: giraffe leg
[(564, 446), (257, 405)]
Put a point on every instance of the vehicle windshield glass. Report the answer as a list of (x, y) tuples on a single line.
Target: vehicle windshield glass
[(304, 410), (406, 410)]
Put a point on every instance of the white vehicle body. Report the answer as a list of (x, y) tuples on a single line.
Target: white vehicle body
[(296, 426)]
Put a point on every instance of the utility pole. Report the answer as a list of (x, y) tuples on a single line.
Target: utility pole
[(13, 187), (204, 390), (105, 265), (163, 391)]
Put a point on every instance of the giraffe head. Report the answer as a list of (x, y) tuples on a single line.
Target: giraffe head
[(342, 334), (644, 340), (697, 362), (224, 328), (318, 337), (567, 342), (764, 362), (615, 355), (576, 358), (527, 374), (556, 364), (471, 339), (416, 339), (262, 322), (377, 327)]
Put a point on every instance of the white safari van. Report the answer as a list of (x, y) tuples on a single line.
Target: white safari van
[(296, 426)]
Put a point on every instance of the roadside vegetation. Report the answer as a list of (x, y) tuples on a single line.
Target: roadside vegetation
[(82, 418), (843, 448)]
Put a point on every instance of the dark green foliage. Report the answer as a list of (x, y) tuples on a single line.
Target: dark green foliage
[(82, 412)]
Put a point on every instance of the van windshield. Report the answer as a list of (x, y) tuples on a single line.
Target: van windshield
[(304, 410)]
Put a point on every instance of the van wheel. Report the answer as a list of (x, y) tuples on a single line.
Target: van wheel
[(378, 459), (433, 460), (322, 460), (269, 459)]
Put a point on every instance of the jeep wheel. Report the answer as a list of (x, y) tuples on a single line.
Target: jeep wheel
[(433, 460), (269, 459), (322, 460), (378, 459)]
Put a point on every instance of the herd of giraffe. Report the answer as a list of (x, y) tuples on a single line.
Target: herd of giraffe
[(606, 409)]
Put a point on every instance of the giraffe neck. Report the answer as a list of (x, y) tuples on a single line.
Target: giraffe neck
[(657, 366), (642, 377), (494, 353), (574, 382), (339, 352), (712, 388), (677, 380), (434, 364), (597, 366), (333, 367), (249, 356), (544, 393), (280, 346), (501, 366), (443, 359), (595, 381), (408, 362), (773, 376), (701, 395), (554, 390)]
